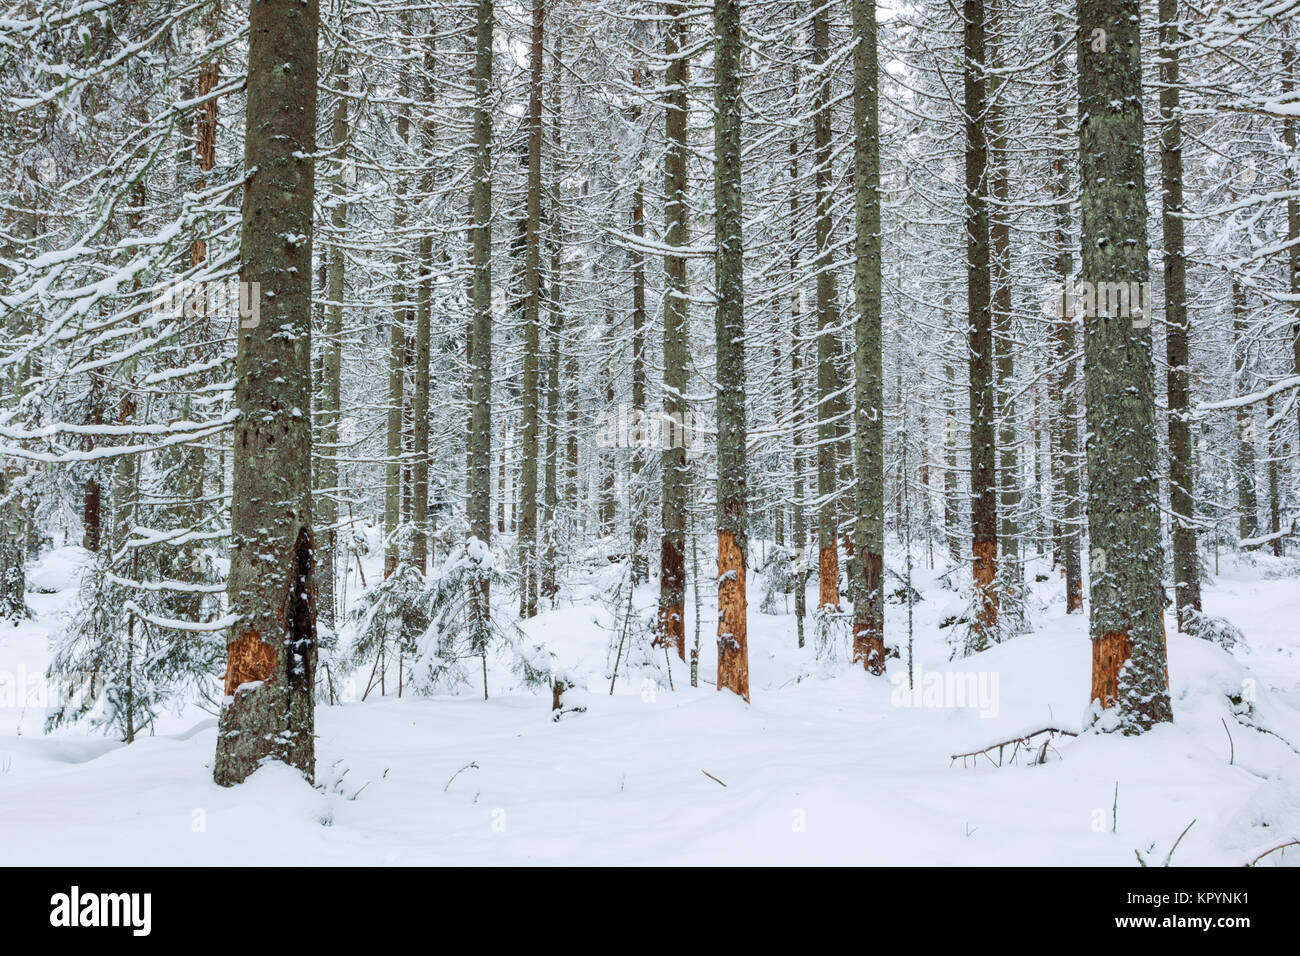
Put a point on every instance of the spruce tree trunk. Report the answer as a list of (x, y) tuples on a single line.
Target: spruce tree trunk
[(1182, 476), (479, 505), (1127, 606), (399, 323), (13, 572), (830, 403), (798, 519), (640, 564), (952, 524), (979, 319), (92, 490), (126, 486), (1291, 177), (423, 316), (672, 549), (331, 393), (1247, 497), (532, 327), (606, 505), (549, 586), (190, 468), (577, 516), (1274, 497), (271, 649), (1066, 460), (1003, 330), (733, 471), (868, 406)]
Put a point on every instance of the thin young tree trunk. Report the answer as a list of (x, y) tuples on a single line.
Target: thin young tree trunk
[(532, 326), (1290, 65), (191, 465), (868, 406), (1274, 498), (126, 485), (92, 490), (672, 550), (637, 497), (479, 506), (576, 516), (555, 303), (399, 323), (1182, 476), (952, 480), (329, 403), (1127, 606), (1003, 330), (1065, 462), (607, 506), (733, 648), (423, 317), (1247, 497), (271, 650), (799, 521)]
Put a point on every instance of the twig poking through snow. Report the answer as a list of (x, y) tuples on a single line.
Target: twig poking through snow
[(1280, 846), (469, 766)]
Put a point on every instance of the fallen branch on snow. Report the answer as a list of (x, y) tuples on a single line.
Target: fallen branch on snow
[(1017, 744)]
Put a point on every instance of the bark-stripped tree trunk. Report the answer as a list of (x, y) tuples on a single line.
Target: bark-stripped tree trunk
[(271, 650), (532, 327), (1127, 606), (1182, 475), (979, 319), (479, 505), (733, 648), (830, 401), (868, 406), (672, 549)]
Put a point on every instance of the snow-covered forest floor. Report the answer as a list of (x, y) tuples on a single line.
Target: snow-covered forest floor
[(827, 765)]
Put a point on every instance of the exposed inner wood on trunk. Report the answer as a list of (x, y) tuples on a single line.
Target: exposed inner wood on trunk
[(249, 659), (828, 576), (1108, 657), (985, 569), (733, 656)]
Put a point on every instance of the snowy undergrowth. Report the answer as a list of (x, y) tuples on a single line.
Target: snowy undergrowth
[(826, 765)]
